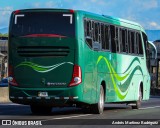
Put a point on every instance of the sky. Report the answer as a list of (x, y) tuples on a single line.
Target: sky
[(145, 12)]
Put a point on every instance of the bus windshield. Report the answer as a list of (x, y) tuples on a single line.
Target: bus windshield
[(31, 24)]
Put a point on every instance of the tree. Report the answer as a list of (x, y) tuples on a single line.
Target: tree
[(5, 35)]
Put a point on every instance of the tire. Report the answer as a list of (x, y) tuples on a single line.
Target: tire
[(40, 110), (87, 110), (139, 101), (99, 107)]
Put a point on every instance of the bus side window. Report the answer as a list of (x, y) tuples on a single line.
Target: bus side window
[(96, 36), (96, 32), (124, 40), (129, 42), (117, 39), (120, 39), (88, 32), (103, 36), (140, 45), (99, 33), (145, 40), (107, 36), (137, 44), (133, 42), (113, 42)]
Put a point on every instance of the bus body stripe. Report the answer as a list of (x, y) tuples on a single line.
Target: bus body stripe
[(114, 76), (40, 68)]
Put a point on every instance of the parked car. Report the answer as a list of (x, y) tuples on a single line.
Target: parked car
[(4, 82)]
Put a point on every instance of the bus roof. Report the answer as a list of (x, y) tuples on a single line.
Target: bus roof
[(104, 17), (113, 18)]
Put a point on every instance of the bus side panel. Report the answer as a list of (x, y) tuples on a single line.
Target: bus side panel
[(104, 74), (146, 90), (89, 82), (84, 58), (127, 75)]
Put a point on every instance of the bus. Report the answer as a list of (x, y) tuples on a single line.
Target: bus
[(64, 57)]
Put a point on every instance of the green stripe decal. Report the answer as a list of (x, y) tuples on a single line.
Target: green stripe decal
[(40, 68), (119, 94), (127, 77)]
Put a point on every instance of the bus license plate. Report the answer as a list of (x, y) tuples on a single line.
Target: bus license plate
[(42, 94)]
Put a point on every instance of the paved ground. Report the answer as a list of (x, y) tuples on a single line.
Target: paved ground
[(150, 110)]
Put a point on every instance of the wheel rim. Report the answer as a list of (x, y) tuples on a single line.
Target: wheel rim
[(101, 101), (140, 95), (140, 98)]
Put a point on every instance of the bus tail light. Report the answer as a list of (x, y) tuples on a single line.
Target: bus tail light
[(77, 76), (71, 11), (16, 12), (11, 78)]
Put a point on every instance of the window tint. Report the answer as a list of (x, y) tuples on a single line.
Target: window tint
[(140, 45), (97, 34), (113, 40), (129, 42), (145, 40), (117, 39), (137, 44), (132, 42), (36, 23), (105, 36), (123, 40), (88, 32)]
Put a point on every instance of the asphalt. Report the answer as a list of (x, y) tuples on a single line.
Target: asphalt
[(74, 117)]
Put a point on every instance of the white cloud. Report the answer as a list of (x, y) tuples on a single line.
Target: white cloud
[(154, 25), (37, 5), (6, 10), (147, 4), (53, 4), (50, 4), (5, 15)]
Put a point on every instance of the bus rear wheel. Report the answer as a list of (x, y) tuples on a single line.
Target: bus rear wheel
[(138, 102), (35, 109), (99, 107)]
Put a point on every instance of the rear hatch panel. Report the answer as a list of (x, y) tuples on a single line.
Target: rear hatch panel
[(43, 62)]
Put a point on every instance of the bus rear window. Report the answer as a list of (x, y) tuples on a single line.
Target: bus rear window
[(32, 23)]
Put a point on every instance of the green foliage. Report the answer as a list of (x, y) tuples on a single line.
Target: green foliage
[(4, 35)]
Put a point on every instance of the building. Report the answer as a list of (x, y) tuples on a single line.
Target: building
[(3, 56)]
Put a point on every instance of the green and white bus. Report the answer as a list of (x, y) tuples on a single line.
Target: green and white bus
[(62, 57)]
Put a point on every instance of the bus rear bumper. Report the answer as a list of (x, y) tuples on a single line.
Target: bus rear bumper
[(56, 97), (48, 101)]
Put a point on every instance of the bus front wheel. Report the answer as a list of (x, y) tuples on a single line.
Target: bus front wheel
[(35, 109), (99, 107)]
